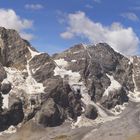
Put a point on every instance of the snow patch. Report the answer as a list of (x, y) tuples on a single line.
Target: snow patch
[(33, 53), (85, 47), (134, 96), (87, 101), (33, 86), (115, 85), (10, 130), (131, 60), (82, 121), (73, 61), (73, 77), (76, 52), (34, 70), (61, 63), (118, 109), (20, 83), (5, 101)]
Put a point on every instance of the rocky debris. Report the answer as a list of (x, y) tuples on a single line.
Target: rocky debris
[(50, 114), (91, 112), (5, 87), (13, 116)]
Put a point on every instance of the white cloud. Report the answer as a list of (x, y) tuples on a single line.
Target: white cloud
[(27, 36), (34, 6), (120, 38), (10, 20), (88, 6), (135, 8), (97, 1), (130, 16)]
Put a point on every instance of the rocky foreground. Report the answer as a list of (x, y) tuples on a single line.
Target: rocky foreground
[(84, 93)]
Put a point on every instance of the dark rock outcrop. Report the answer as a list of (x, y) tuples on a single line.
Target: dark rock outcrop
[(42, 67), (117, 97), (91, 112), (50, 114), (13, 49), (5, 88), (63, 96), (13, 116)]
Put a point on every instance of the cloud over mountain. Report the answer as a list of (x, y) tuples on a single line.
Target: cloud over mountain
[(122, 39), (9, 19)]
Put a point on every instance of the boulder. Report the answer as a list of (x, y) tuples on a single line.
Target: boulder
[(91, 112), (63, 96), (5, 87), (13, 116), (50, 114)]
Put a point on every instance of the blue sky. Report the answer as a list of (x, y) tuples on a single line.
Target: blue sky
[(54, 25)]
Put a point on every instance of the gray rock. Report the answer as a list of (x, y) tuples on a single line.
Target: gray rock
[(63, 95), (136, 68), (13, 116), (43, 67), (50, 114), (93, 62), (2, 73), (14, 50), (5, 88), (1, 103), (117, 97), (91, 112)]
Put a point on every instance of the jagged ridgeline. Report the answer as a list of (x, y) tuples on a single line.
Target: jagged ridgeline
[(81, 85)]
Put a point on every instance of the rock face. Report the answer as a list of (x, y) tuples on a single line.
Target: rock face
[(50, 114), (13, 116), (136, 65), (13, 49), (63, 96), (94, 63), (42, 67), (87, 81)]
